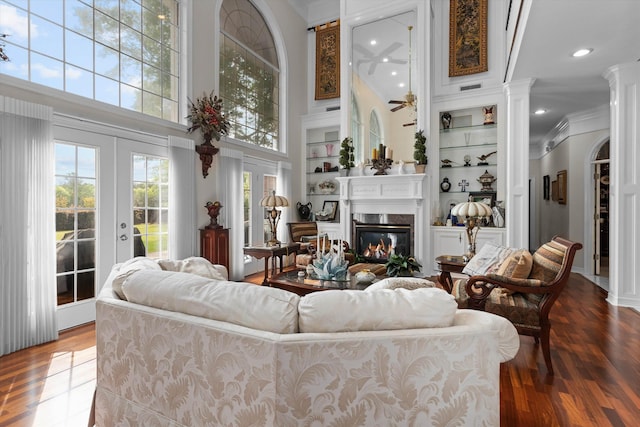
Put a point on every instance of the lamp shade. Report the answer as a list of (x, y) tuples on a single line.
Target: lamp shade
[(471, 210), (273, 201)]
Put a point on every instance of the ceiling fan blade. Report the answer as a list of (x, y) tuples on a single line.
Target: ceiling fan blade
[(409, 124), (393, 101), (394, 109)]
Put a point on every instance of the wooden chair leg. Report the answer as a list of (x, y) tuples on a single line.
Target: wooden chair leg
[(546, 350)]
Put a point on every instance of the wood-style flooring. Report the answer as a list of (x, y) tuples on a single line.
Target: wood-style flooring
[(595, 349)]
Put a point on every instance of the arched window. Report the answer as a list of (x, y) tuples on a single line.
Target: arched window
[(356, 132), (375, 133), (249, 75), (123, 53)]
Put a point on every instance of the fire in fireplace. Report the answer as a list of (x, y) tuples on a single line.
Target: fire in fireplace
[(376, 242)]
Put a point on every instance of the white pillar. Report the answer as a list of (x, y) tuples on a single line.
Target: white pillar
[(517, 162), (624, 186)]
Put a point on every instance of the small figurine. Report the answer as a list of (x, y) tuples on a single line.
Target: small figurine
[(488, 115), (213, 209), (446, 163), (446, 120), (467, 160), (484, 157)]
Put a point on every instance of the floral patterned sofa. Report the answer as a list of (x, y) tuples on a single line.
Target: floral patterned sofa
[(178, 348)]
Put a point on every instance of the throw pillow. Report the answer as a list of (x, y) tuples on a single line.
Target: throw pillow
[(245, 304), (195, 265), (128, 268), (401, 282), (487, 260), (516, 266), (383, 309)]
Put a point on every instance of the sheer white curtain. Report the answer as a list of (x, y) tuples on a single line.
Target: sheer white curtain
[(27, 226), (283, 187), (229, 175), (182, 198)]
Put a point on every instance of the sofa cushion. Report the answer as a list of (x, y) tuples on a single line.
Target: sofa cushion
[(196, 265), (244, 304), (401, 282), (487, 260), (384, 309), (128, 268), (516, 266)]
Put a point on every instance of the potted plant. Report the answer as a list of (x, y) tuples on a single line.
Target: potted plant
[(346, 154), (420, 151), (402, 265)]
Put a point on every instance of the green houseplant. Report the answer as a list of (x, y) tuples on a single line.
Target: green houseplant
[(346, 159), (402, 265), (420, 151)]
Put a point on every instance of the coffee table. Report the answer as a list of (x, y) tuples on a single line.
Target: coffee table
[(449, 264), (290, 281)]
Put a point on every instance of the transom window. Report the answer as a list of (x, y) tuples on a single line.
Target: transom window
[(124, 53), (249, 75)]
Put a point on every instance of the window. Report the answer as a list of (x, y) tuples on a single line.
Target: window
[(123, 53), (356, 133), (375, 133), (150, 206), (75, 222), (249, 75)]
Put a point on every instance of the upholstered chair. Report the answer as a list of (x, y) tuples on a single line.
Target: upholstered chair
[(525, 301), (306, 234)]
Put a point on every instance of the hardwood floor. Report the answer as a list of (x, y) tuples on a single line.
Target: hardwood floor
[(595, 349)]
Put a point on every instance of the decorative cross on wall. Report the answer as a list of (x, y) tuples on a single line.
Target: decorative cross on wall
[(463, 185)]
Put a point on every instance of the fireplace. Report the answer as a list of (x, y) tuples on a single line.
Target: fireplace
[(376, 242)]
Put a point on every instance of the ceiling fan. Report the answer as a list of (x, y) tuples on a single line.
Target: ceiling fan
[(410, 99)]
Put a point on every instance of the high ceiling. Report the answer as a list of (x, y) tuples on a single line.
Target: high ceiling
[(553, 30), (564, 84)]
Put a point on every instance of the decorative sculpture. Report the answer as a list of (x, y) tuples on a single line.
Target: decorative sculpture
[(213, 209)]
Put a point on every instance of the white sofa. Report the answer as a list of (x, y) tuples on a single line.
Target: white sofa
[(427, 364)]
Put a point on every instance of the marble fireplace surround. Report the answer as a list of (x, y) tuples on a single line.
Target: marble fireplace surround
[(388, 195)]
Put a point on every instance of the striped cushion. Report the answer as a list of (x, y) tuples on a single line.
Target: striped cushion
[(547, 261), (299, 229)]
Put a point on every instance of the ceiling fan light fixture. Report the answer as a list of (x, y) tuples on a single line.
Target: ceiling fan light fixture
[(539, 111), (582, 52), (373, 42)]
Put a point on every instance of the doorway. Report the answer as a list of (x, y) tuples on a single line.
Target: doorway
[(601, 212)]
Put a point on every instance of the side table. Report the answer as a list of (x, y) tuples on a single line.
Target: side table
[(449, 264), (272, 252)]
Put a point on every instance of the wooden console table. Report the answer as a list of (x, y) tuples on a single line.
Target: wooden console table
[(272, 252)]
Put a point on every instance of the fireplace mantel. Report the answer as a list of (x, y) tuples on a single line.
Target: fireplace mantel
[(388, 194)]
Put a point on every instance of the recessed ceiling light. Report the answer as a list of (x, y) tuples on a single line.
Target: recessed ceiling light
[(581, 52), (373, 42), (401, 85), (385, 59), (394, 73), (540, 111)]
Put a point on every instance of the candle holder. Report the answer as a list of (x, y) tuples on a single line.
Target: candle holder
[(381, 165)]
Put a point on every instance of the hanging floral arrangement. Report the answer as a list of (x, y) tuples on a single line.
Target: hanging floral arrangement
[(206, 114)]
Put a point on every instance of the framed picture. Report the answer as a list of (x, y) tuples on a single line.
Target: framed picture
[(554, 190), (467, 37), (332, 207), (562, 187), (488, 197), (546, 182), (328, 60)]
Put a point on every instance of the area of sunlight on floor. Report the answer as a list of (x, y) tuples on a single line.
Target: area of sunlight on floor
[(72, 371)]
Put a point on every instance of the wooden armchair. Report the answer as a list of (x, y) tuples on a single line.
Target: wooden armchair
[(525, 302)]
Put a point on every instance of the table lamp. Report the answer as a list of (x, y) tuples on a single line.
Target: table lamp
[(271, 202), (472, 212)]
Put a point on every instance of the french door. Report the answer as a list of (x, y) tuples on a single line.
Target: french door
[(259, 179), (111, 205)]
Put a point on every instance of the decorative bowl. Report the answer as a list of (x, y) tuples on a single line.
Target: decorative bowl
[(326, 187)]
